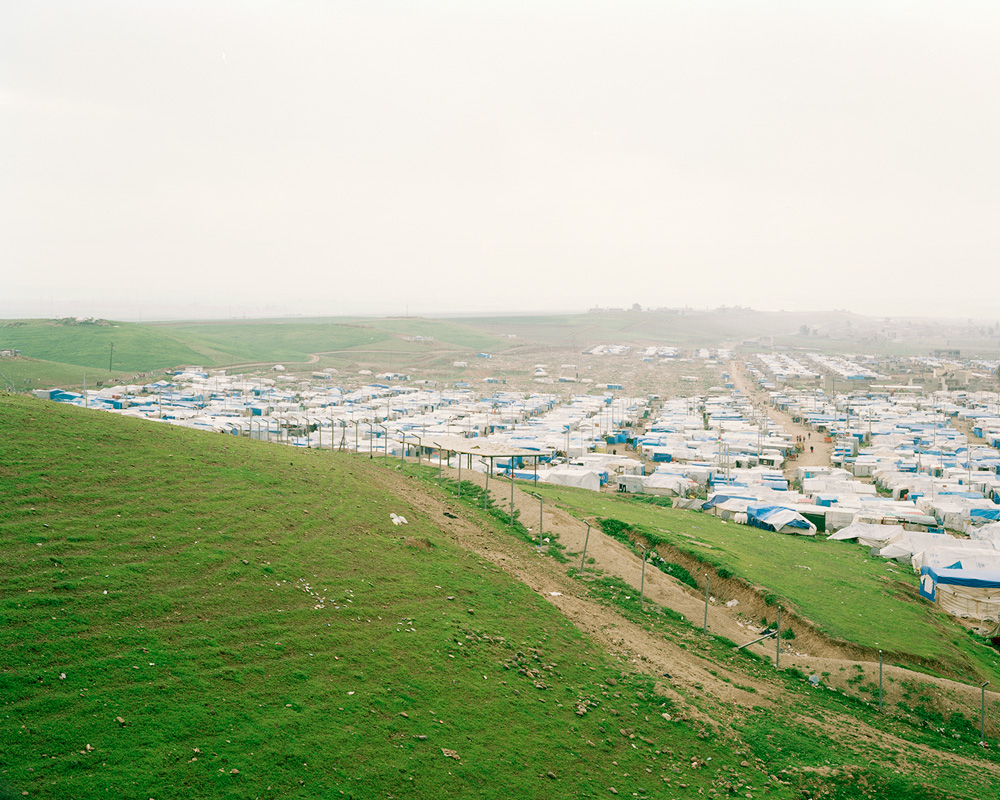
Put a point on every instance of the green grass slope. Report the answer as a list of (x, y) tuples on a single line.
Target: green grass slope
[(193, 615), (250, 607), (296, 339), (847, 595), (137, 347), (144, 347), (24, 374)]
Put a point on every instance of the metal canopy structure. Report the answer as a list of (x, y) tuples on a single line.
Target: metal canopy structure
[(484, 450), (479, 446)]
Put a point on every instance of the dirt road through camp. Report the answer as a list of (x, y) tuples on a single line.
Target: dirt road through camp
[(815, 451)]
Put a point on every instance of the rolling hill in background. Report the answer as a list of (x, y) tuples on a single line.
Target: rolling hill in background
[(55, 352)]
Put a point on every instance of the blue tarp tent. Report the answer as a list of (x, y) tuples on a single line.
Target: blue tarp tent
[(965, 593), (779, 519)]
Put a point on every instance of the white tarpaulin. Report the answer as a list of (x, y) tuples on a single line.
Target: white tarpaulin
[(973, 556), (914, 542), (568, 475), (870, 534), (659, 483)]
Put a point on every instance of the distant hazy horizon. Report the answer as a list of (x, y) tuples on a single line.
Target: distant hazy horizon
[(209, 314), (221, 160)]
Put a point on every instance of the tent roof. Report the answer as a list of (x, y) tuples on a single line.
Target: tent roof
[(963, 577), (477, 446)]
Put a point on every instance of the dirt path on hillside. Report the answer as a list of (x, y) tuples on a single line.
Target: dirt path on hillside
[(822, 451), (417, 358), (678, 664), (685, 669)]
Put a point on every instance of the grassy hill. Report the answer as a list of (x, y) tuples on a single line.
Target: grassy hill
[(45, 344), (136, 347), (193, 615), (837, 587), (252, 608), (387, 344)]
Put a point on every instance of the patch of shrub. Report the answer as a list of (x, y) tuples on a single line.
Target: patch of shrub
[(616, 529), (678, 572), (651, 500)]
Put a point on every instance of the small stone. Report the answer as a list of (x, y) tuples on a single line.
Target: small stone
[(120, 721), (551, 775), (450, 753), (611, 682), (421, 737), (234, 771), (197, 750), (245, 561), (471, 611), (744, 763), (613, 790), (404, 714)]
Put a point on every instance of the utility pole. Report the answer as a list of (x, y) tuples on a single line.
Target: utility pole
[(111, 358)]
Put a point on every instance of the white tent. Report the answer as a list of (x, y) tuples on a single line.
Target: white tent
[(912, 542), (870, 534), (972, 556), (568, 475), (671, 485), (966, 593), (990, 532)]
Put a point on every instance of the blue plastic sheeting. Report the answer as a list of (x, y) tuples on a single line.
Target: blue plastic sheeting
[(758, 516), (986, 513), (523, 475), (930, 578), (719, 498)]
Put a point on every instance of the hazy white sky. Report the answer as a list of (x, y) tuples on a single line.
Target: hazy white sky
[(215, 158)]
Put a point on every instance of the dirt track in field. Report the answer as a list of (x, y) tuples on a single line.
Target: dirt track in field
[(704, 688)]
